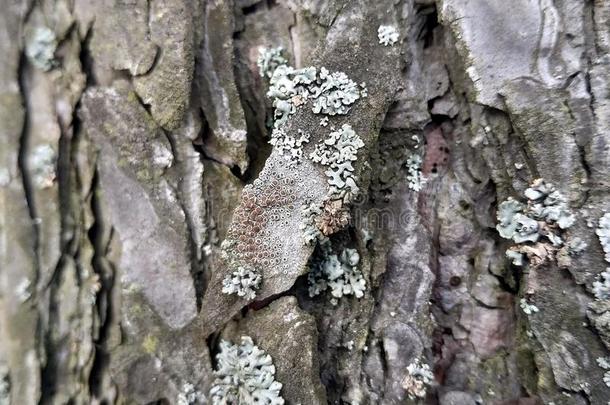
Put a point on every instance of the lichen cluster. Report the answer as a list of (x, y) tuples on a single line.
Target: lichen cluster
[(528, 308), (244, 282), (418, 378), (415, 178), (603, 233), (190, 396), (335, 272), (40, 48), (337, 153), (387, 34), (245, 375), (269, 59), (289, 88), (538, 226)]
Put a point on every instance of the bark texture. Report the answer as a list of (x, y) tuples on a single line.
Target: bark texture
[(135, 170)]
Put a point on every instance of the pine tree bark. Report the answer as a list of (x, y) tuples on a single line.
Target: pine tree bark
[(136, 133)]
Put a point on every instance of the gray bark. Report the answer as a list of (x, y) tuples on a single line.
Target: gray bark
[(132, 157)]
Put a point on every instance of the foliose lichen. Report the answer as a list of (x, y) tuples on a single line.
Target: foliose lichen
[(603, 233), (414, 173), (245, 375), (601, 287), (41, 163), (290, 146), (604, 363), (269, 59), (419, 377), (338, 273), (387, 34), (333, 93), (528, 308), (244, 282), (337, 152), (537, 227), (190, 396), (40, 48)]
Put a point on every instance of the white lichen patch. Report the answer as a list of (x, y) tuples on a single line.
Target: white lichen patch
[(190, 396), (40, 48), (324, 121), (244, 282), (333, 93), (269, 59), (604, 363), (528, 308), (415, 178), (245, 375), (537, 227), (603, 233), (291, 147), (419, 377), (601, 287), (338, 273), (387, 34), (41, 163), (338, 152)]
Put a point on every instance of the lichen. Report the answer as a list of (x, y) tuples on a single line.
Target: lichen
[(40, 48), (536, 227), (334, 93), (244, 282), (419, 377), (415, 178), (245, 375), (604, 363), (190, 396), (601, 287), (528, 308), (269, 59), (41, 163), (335, 272), (337, 152), (387, 34), (291, 147), (603, 233)]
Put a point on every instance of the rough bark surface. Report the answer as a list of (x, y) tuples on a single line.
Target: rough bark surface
[(132, 157)]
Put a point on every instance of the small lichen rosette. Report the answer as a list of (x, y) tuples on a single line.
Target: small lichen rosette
[(387, 34), (538, 226), (244, 282), (418, 378), (245, 375)]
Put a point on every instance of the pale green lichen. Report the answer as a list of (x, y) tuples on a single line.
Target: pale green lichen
[(41, 162), (244, 283), (387, 34), (269, 59), (334, 93), (415, 178), (419, 377), (291, 147), (601, 287), (40, 48), (536, 227), (338, 151), (603, 233), (528, 308), (338, 273), (604, 363), (190, 396), (245, 375)]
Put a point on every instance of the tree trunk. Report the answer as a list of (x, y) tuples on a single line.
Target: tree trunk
[(137, 180)]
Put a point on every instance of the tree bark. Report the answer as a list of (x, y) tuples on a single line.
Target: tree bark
[(136, 175)]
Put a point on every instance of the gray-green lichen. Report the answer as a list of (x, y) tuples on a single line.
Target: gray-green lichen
[(603, 233), (604, 363), (40, 48), (190, 396), (536, 227), (244, 282), (42, 161), (338, 152), (245, 375), (337, 273), (290, 146), (601, 287), (269, 59), (415, 178), (528, 308), (387, 34), (419, 377)]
